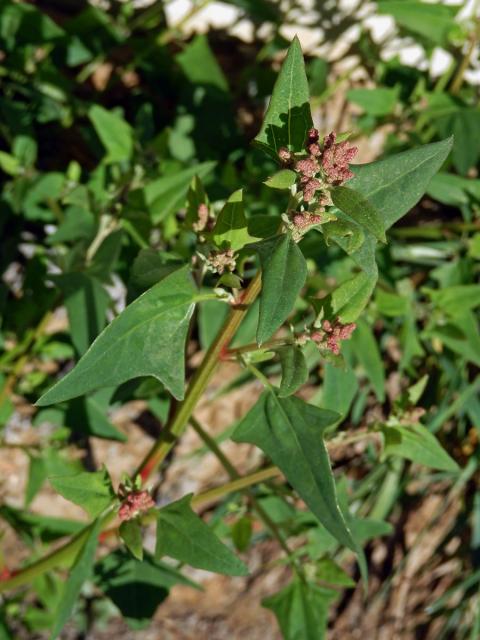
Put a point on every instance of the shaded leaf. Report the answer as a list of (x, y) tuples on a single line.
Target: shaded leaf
[(114, 132), (136, 588), (288, 118), (283, 179)]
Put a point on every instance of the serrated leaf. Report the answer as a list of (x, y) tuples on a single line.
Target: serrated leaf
[(114, 132), (359, 209), (231, 230), (290, 432), (80, 572), (136, 588), (301, 610), (284, 270), (294, 369), (147, 338), (288, 118), (93, 491), (395, 184), (131, 534), (182, 535), (283, 179), (416, 443)]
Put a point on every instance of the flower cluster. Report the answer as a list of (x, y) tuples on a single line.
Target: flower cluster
[(220, 261), (325, 165), (329, 335), (134, 503), (203, 217)]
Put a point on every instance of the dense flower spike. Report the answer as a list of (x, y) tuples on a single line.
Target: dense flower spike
[(135, 503), (331, 334), (336, 158)]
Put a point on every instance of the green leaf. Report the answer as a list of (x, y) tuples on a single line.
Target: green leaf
[(301, 610), (284, 270), (131, 534), (31, 526), (114, 132), (339, 389), (87, 302), (395, 184), (80, 572), (167, 194), (283, 179), (242, 533), (90, 415), (294, 369), (367, 352), (362, 211), (147, 338), (37, 474), (432, 21), (231, 230), (457, 299), (136, 588), (416, 443), (377, 102), (182, 535), (352, 296), (288, 116), (91, 490), (290, 432), (200, 65), (330, 572)]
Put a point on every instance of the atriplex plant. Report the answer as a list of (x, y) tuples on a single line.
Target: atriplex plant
[(351, 207)]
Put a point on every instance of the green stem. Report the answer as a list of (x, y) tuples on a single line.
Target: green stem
[(235, 476), (270, 344), (199, 381), (459, 76)]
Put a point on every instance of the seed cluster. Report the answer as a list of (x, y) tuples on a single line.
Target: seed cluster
[(135, 503), (326, 165), (330, 335)]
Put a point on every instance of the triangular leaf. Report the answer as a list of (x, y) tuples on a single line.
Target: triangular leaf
[(131, 534), (288, 118), (290, 432), (231, 230), (182, 535), (301, 610), (147, 338), (92, 491)]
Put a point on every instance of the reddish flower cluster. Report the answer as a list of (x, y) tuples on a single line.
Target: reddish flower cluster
[(336, 158), (135, 502), (219, 261), (331, 334), (304, 220), (325, 165)]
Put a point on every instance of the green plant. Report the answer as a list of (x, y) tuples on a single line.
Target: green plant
[(277, 277)]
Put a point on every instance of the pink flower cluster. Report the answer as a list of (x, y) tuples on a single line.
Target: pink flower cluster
[(325, 165), (220, 261), (135, 502), (331, 334), (336, 158)]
